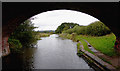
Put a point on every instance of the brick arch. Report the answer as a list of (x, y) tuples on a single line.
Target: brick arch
[(16, 13)]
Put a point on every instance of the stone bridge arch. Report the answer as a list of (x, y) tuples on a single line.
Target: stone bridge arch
[(13, 14)]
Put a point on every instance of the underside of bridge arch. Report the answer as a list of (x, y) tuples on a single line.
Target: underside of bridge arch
[(13, 14)]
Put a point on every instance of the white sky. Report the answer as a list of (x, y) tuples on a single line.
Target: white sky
[(50, 20)]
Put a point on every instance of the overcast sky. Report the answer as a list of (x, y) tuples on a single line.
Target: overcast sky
[(50, 20)]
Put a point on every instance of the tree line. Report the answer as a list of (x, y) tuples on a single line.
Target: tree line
[(96, 28)]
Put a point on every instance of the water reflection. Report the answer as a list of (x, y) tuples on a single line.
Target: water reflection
[(55, 53)]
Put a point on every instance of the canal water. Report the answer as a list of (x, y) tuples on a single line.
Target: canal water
[(51, 52)]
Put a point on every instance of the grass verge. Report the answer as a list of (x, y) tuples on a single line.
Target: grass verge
[(104, 44)]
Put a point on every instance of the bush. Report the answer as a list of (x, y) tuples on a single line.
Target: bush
[(15, 45), (25, 34)]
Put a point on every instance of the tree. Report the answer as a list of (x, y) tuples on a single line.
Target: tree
[(65, 26), (24, 35), (97, 29)]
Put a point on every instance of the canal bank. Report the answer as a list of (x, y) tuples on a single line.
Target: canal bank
[(89, 55), (94, 61)]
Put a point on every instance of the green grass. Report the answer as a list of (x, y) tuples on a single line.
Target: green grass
[(85, 46), (78, 47), (105, 44)]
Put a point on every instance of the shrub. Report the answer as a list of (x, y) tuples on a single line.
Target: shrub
[(15, 45)]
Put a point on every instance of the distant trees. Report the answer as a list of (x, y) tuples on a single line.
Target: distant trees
[(65, 26), (47, 31), (94, 29)]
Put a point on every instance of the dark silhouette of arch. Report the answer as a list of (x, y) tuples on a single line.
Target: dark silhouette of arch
[(16, 13)]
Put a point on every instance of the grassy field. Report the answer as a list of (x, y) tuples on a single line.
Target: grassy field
[(104, 44)]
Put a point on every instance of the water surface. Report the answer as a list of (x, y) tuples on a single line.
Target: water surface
[(56, 53), (50, 53)]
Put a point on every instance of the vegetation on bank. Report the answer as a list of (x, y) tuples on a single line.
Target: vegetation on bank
[(86, 46), (78, 47), (94, 29), (104, 44), (97, 34), (39, 35), (24, 36), (14, 45)]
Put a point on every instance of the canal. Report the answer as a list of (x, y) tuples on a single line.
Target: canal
[(51, 52)]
